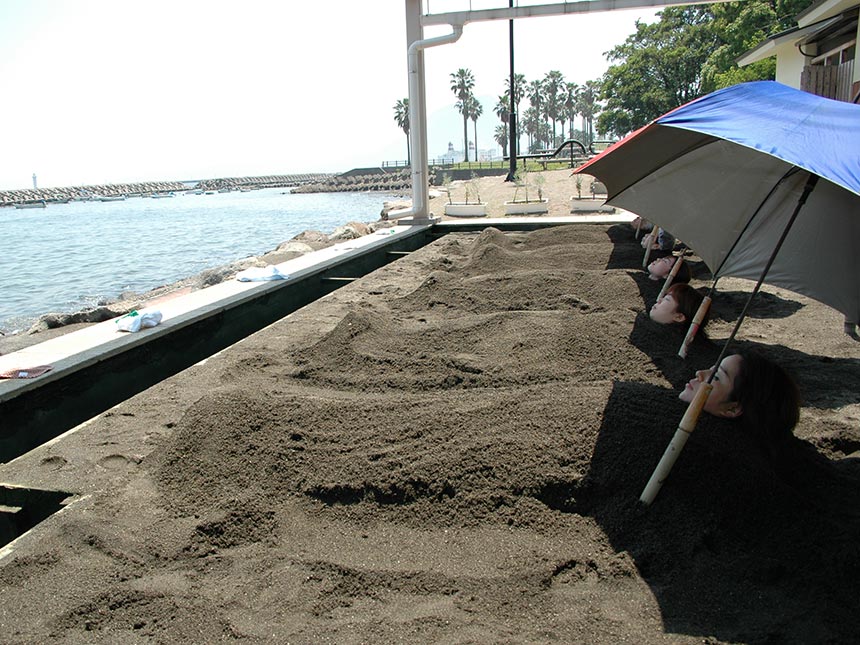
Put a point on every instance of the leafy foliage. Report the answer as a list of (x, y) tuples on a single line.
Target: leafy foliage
[(689, 52)]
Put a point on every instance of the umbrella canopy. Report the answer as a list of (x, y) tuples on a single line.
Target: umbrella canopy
[(724, 174)]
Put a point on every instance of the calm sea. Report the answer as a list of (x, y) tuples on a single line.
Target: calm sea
[(66, 257)]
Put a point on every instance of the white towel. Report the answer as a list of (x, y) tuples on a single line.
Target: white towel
[(137, 320), (261, 274)]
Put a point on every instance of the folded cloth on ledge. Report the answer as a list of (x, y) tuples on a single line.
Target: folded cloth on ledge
[(261, 274), (26, 372), (136, 320)]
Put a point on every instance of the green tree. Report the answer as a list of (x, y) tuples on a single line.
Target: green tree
[(689, 52), (462, 84), (401, 117), (657, 68), (743, 26)]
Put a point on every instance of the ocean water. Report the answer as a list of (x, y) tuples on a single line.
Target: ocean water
[(66, 257)]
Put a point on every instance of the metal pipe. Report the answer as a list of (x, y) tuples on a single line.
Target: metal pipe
[(418, 125)]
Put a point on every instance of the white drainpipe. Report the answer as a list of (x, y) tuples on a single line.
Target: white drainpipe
[(418, 125)]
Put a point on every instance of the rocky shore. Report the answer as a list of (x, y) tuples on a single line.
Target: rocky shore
[(53, 324), (382, 182)]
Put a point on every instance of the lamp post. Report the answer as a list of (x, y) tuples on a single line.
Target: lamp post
[(512, 118)]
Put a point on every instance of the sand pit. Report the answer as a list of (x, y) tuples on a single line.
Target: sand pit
[(450, 450)]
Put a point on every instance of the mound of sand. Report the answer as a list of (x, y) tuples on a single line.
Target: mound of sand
[(451, 450)]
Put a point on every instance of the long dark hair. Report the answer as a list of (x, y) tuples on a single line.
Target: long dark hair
[(769, 398), (688, 300)]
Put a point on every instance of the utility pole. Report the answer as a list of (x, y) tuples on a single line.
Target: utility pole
[(512, 118)]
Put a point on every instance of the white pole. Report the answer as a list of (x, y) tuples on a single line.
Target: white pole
[(650, 238), (417, 107), (694, 326), (671, 277), (673, 450)]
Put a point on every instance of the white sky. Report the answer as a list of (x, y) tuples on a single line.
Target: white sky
[(109, 91)]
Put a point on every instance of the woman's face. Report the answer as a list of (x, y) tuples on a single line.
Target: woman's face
[(659, 269), (665, 311), (718, 402)]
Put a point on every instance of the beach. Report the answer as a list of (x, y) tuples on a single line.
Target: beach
[(451, 450)]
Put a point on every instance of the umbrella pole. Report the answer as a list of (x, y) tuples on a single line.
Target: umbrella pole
[(697, 322), (671, 277), (706, 304), (650, 240), (673, 450), (638, 228), (688, 422)]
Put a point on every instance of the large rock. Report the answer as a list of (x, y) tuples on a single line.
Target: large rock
[(394, 205), (349, 231), (315, 239)]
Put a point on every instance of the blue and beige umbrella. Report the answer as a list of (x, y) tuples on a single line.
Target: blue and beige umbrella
[(763, 182)]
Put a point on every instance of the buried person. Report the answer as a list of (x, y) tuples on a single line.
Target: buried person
[(754, 390), (678, 306), (660, 268)]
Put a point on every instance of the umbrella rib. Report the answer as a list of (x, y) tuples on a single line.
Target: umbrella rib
[(770, 193), (699, 144), (811, 181)]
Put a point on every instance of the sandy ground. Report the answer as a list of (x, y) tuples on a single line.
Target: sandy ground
[(450, 450), (558, 188)]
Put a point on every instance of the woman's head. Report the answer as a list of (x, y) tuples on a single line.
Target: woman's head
[(678, 305), (756, 390), (660, 268)]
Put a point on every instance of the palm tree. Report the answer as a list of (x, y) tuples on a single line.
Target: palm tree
[(553, 84), (535, 95), (529, 124), (501, 136), (586, 106), (401, 117), (475, 111), (462, 83), (571, 92), (519, 89), (503, 111)]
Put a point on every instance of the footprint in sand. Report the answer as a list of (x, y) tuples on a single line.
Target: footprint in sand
[(55, 462), (116, 462)]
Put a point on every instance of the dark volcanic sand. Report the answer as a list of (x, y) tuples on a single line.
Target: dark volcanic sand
[(451, 450)]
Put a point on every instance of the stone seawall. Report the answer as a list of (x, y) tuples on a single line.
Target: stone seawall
[(60, 195)]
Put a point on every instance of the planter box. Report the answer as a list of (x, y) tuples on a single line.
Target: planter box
[(527, 208), (588, 205), (466, 210)]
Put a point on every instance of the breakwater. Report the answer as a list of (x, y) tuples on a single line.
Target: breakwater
[(140, 189)]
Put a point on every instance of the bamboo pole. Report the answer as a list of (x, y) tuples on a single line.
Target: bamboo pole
[(650, 238), (673, 450), (679, 260), (694, 326)]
